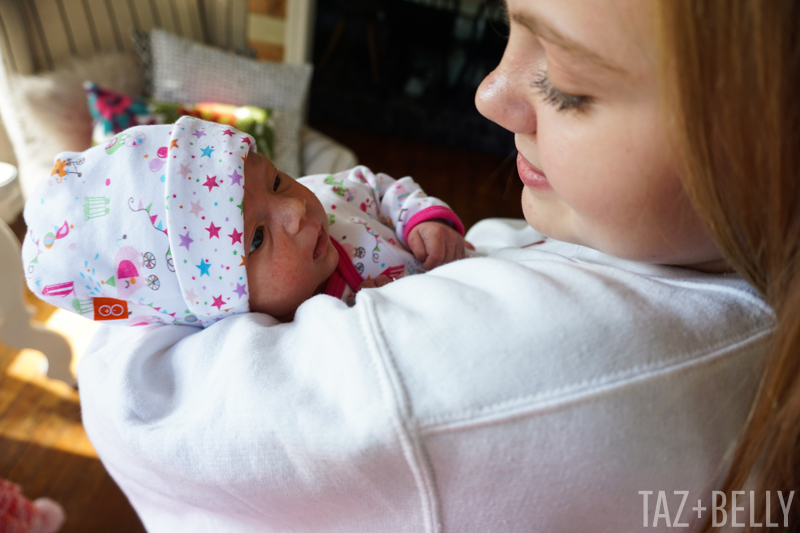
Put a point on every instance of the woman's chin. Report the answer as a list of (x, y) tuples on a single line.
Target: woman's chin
[(534, 215)]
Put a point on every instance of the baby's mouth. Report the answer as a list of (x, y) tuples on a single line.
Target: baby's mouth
[(322, 244)]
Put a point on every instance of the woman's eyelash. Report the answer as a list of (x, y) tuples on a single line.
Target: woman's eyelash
[(561, 100), (276, 183)]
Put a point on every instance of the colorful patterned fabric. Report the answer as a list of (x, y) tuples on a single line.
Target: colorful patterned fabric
[(370, 216), (146, 228), (114, 112)]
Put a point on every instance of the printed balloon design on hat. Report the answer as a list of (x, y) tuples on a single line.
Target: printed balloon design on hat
[(50, 238), (158, 164)]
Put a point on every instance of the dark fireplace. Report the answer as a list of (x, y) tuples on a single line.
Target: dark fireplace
[(408, 68)]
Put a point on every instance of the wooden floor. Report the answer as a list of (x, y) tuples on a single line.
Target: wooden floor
[(43, 446)]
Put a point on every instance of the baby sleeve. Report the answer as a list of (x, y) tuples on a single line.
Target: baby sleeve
[(399, 204)]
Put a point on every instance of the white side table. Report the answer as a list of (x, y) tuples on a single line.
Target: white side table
[(16, 329), (11, 202)]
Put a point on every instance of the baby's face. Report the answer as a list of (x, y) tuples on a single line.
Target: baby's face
[(286, 232)]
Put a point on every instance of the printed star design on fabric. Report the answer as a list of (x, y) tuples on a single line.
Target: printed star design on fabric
[(173, 144), (185, 240), (184, 170), (203, 266), (199, 133), (211, 182), (218, 303), (228, 132), (246, 140), (240, 290), (196, 209), (243, 262), (207, 151), (190, 295), (236, 178), (235, 236), (213, 231)]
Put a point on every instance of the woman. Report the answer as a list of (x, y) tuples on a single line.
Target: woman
[(593, 381)]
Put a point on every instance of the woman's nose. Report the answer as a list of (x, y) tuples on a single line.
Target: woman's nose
[(292, 211), (504, 97)]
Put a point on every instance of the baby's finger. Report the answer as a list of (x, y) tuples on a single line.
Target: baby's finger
[(382, 280), (367, 284), (460, 252), (436, 254), (417, 245)]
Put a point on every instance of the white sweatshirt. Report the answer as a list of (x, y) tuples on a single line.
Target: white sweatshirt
[(538, 389)]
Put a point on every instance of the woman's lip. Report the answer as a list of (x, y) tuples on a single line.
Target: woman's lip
[(322, 244), (531, 176)]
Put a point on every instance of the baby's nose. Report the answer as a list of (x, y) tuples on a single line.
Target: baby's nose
[(293, 210)]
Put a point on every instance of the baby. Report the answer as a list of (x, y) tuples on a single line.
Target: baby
[(187, 224)]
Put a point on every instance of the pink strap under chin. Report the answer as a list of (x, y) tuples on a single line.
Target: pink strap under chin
[(344, 275)]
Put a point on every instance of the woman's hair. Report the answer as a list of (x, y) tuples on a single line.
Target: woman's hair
[(731, 74)]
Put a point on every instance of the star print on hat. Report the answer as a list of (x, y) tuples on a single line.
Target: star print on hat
[(144, 229)]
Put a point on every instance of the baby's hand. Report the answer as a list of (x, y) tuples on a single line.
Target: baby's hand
[(435, 243)]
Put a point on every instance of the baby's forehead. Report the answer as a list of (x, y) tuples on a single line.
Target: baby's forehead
[(257, 165)]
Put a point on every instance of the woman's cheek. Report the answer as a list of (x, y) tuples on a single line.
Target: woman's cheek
[(572, 162)]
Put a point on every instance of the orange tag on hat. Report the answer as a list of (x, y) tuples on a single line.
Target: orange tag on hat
[(110, 309)]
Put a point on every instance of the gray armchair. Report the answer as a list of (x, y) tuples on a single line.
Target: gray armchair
[(37, 36)]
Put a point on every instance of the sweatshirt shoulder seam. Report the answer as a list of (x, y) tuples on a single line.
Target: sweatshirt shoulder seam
[(405, 425), (583, 391)]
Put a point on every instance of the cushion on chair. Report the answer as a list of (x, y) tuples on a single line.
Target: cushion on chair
[(142, 47), (114, 112), (184, 71), (52, 112)]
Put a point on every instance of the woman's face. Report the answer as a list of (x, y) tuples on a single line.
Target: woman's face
[(578, 86)]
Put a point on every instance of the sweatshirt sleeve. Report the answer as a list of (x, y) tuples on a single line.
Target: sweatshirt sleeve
[(477, 397), (401, 202)]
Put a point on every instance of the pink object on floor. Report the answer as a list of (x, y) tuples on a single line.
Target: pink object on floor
[(20, 515)]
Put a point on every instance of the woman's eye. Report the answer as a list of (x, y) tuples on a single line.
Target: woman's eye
[(560, 100), (258, 238), (276, 183)]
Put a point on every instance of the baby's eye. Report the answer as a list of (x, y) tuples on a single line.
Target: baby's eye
[(258, 238), (276, 183)]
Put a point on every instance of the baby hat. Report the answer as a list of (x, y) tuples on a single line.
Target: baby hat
[(144, 229)]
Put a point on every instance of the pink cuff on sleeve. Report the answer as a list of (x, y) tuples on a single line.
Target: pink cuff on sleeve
[(436, 211)]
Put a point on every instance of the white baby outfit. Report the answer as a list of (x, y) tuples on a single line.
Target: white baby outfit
[(144, 229), (369, 219)]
